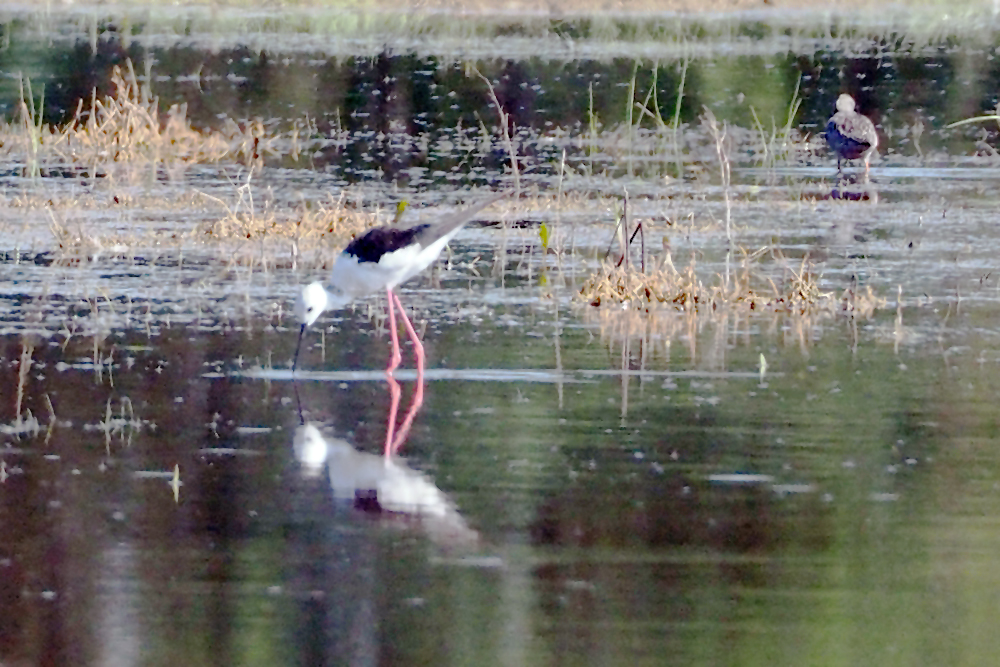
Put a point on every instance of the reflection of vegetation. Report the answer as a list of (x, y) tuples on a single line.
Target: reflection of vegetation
[(125, 426), (24, 422)]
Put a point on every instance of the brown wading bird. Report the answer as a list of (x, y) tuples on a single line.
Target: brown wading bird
[(850, 135)]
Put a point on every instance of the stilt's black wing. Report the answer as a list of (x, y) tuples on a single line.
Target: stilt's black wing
[(373, 244), (370, 246)]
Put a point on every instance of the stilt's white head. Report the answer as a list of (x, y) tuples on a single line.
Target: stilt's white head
[(312, 301)]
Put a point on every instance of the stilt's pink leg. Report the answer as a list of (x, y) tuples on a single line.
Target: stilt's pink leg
[(396, 356), (418, 394), (390, 428)]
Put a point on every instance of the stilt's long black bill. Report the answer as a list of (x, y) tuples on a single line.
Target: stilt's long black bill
[(298, 347)]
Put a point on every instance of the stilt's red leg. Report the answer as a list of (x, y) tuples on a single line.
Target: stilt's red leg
[(418, 394), (396, 356)]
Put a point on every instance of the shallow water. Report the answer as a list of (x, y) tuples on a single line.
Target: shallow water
[(840, 507), (598, 486)]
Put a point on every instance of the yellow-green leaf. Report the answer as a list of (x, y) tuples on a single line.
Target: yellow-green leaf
[(400, 207)]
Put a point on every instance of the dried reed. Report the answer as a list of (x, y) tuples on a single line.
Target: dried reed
[(128, 129), (682, 290)]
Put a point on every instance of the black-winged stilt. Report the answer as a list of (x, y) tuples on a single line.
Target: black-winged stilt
[(850, 135), (382, 258)]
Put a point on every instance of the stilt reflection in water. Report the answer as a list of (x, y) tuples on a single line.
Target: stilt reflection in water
[(383, 483)]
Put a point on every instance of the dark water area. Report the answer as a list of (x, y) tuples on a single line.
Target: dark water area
[(574, 484)]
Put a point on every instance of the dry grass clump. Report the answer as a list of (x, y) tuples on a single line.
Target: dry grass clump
[(621, 284), (312, 232), (643, 332), (74, 240), (682, 290), (128, 128), (333, 222), (125, 221), (125, 129), (89, 225), (324, 223), (186, 201)]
